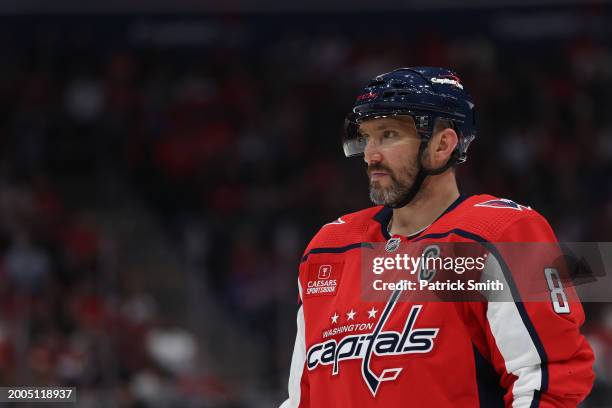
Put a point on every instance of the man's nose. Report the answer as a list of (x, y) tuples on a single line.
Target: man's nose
[(371, 153)]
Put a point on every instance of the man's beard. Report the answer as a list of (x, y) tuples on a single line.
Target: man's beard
[(399, 188)]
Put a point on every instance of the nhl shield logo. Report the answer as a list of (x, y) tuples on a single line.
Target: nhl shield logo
[(392, 244)]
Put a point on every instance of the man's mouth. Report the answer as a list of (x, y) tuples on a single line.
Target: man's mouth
[(377, 175)]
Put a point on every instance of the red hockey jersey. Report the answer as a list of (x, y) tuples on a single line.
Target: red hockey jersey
[(353, 353)]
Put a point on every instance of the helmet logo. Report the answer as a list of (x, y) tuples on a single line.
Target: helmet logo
[(367, 96), (449, 80)]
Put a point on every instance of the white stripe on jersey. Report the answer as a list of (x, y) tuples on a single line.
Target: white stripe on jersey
[(514, 343), (297, 361)]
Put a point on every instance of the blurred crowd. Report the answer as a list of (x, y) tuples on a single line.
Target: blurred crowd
[(235, 148), (66, 319)]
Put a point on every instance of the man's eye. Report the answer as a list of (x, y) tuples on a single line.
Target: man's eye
[(388, 134)]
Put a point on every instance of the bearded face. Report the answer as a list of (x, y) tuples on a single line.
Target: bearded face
[(390, 152), (388, 186)]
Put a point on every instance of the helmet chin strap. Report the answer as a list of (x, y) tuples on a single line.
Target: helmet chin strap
[(422, 174)]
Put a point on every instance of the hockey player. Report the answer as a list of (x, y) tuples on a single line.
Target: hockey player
[(412, 126)]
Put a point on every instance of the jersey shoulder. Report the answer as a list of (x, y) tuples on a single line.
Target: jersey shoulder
[(489, 217), (348, 229)]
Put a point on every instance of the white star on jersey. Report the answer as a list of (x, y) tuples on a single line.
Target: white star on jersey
[(334, 318), (350, 315), (372, 313)]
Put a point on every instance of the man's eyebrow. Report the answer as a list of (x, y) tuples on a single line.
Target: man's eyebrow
[(396, 125), (387, 127), (392, 126)]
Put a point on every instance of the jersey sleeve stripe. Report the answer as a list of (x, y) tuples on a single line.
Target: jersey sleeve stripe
[(490, 393), (509, 324), (535, 403), (297, 364), (336, 250), (520, 307)]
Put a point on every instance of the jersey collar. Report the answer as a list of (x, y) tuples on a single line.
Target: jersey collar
[(384, 216)]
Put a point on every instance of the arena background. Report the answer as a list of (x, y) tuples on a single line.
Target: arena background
[(161, 173)]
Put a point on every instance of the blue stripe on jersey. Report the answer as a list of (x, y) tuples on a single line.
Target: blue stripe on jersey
[(337, 250), (490, 393), (535, 403)]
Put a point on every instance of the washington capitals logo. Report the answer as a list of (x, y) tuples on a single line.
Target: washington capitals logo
[(502, 203), (376, 344), (448, 80)]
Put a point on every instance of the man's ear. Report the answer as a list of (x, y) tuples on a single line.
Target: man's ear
[(441, 146)]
